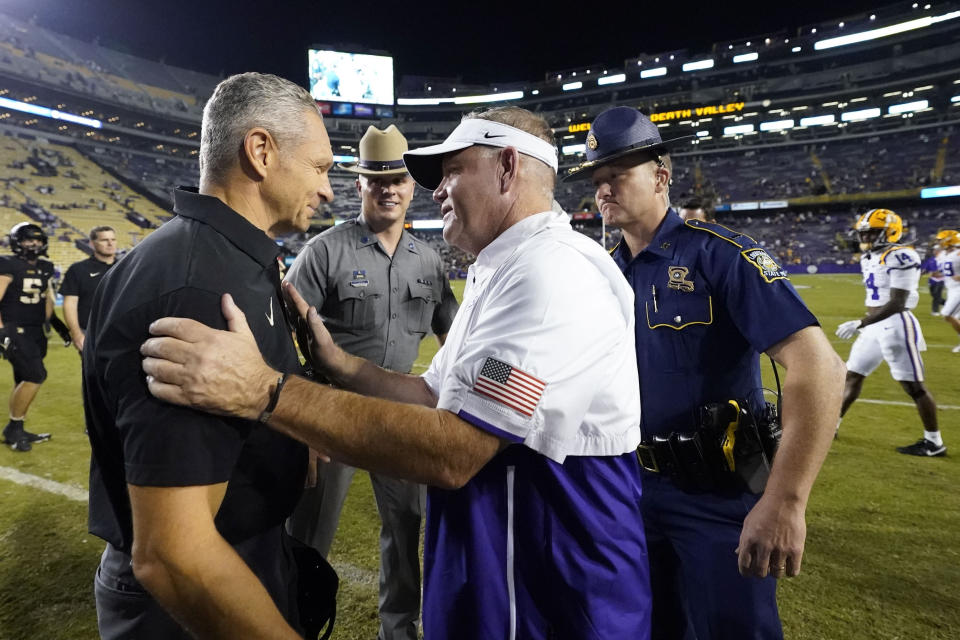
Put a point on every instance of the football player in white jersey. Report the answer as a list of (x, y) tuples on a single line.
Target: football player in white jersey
[(889, 331), (948, 264)]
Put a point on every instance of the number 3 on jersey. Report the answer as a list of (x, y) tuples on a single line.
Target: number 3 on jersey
[(876, 291), (32, 288)]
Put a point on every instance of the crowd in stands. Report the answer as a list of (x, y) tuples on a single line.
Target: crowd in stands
[(45, 183), (67, 194), (32, 52), (57, 186), (866, 164)]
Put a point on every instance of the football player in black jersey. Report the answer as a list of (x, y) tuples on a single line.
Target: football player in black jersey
[(26, 303)]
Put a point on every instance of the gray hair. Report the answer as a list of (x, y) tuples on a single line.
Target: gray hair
[(533, 124), (243, 102)]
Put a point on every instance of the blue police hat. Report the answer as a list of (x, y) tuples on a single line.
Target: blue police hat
[(617, 132)]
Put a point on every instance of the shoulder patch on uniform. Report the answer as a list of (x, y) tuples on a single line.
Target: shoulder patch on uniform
[(767, 266), (728, 234)]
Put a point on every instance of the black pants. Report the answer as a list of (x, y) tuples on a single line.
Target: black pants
[(936, 293), (28, 348)]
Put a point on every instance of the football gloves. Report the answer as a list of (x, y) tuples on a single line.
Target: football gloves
[(5, 346), (849, 329)]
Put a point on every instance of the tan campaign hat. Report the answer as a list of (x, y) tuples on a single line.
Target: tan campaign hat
[(381, 153)]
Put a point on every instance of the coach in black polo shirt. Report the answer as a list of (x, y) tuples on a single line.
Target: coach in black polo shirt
[(191, 505), (81, 281)]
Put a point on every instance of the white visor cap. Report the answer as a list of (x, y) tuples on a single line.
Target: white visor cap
[(426, 163)]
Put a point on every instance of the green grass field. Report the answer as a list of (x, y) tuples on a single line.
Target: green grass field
[(883, 545)]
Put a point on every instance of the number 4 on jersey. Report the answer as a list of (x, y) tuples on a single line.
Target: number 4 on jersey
[(876, 291)]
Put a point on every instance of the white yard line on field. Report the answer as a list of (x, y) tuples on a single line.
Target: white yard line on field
[(892, 403), (50, 486), (347, 571), (901, 403)]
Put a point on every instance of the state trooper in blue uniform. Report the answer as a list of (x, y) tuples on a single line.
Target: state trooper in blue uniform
[(708, 301)]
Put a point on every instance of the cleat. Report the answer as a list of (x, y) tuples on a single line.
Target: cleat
[(21, 444), (22, 440), (34, 438), (956, 349), (925, 448)]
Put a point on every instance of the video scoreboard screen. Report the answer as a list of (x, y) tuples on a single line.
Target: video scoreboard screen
[(358, 78)]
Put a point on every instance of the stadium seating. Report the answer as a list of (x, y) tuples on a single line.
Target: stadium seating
[(27, 50), (68, 196), (823, 174)]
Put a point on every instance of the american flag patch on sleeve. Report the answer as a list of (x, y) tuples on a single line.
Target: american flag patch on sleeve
[(510, 386)]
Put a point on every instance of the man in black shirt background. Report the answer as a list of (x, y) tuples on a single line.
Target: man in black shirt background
[(81, 281), (26, 302), (192, 505)]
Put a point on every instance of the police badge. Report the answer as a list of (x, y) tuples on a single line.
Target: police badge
[(678, 279), (591, 141)]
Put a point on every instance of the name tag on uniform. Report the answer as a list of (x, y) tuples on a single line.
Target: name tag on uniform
[(359, 278), (424, 283)]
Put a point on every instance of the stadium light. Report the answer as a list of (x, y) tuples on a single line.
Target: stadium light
[(940, 192), (702, 134), (884, 32), (344, 158), (490, 97), (907, 107), (862, 114), (738, 129), (426, 224), (746, 57), (814, 121), (776, 125), (571, 86), (421, 101), (615, 79), (698, 65), (795, 50), (653, 73), (571, 149), (46, 112), (955, 99)]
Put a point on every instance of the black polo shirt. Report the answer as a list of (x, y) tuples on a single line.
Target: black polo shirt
[(81, 280), (182, 269)]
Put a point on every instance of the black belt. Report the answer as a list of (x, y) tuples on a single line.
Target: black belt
[(724, 452)]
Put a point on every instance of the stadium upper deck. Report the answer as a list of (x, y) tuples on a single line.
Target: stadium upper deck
[(796, 117)]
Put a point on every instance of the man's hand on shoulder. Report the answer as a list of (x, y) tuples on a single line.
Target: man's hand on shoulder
[(222, 372)]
